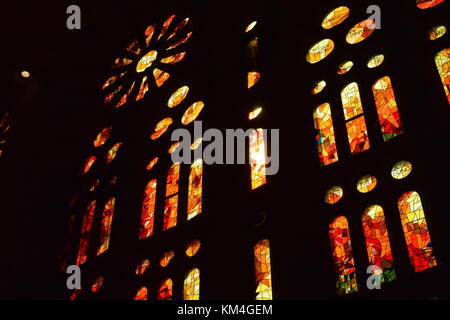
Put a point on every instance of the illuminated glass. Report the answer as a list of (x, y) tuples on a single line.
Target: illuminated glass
[(255, 113), (192, 285), (87, 164), (192, 112), (195, 189), (366, 184), (320, 51), (375, 61), (251, 26), (111, 155), (325, 138), (351, 101), (318, 87), (165, 290), (148, 210), (97, 284), (105, 230), (263, 270), (334, 195), (174, 59), (192, 248), (345, 67), (141, 294), (178, 28), (102, 137), (335, 17), (257, 159), (178, 96), (160, 76), (142, 266), (442, 60), (401, 170), (174, 147), (143, 89), (253, 78), (172, 179), (425, 4), (152, 163), (146, 61), (196, 143), (357, 135), (160, 128), (166, 258), (89, 217), (361, 31)]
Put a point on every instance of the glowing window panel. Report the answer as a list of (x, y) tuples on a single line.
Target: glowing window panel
[(416, 233), (192, 112), (105, 229), (255, 113), (318, 87), (357, 135), (146, 61), (142, 266), (88, 164), (112, 94), (351, 101), (172, 179), (121, 62), (83, 249), (89, 217), (263, 270), (97, 284), (375, 61), (388, 115), (320, 51), (170, 213), (124, 98), (192, 248), (191, 290), (149, 34), (251, 26), (174, 59), (160, 76), (133, 46), (253, 78), (437, 32), (152, 163), (335, 17), (165, 290), (180, 42), (401, 170), (345, 67), (166, 26), (257, 159), (425, 4), (195, 189), (112, 153), (178, 28), (442, 60), (361, 31), (174, 147), (102, 137), (74, 294), (344, 264), (366, 184), (166, 258), (160, 128), (334, 195), (109, 81), (196, 143), (178, 96), (377, 242), (325, 139), (148, 210), (141, 294), (143, 89)]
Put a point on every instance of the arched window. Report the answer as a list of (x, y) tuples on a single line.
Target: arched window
[(192, 285), (415, 228), (171, 208), (443, 65), (325, 139), (148, 210), (377, 242), (344, 264), (85, 232), (165, 290), (195, 189), (257, 158), (263, 270), (105, 230)]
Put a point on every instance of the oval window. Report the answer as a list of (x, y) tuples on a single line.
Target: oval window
[(334, 195), (160, 128), (375, 61), (174, 147), (152, 163), (166, 258), (437, 32), (192, 248), (102, 137), (318, 87), (88, 164), (320, 51), (401, 170), (178, 97), (112, 152), (192, 112), (335, 17), (366, 183), (255, 113), (345, 67), (360, 31)]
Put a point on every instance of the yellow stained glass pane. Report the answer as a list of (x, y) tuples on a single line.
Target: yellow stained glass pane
[(192, 285), (255, 113), (320, 51), (170, 212), (192, 248), (437, 32), (160, 76), (195, 189), (361, 31), (251, 26), (263, 270), (192, 112), (366, 184), (334, 195), (351, 101), (110, 81), (401, 170), (253, 78), (425, 4), (318, 87), (442, 60), (335, 17), (152, 163), (102, 137), (178, 96), (143, 89), (196, 143), (146, 61), (257, 159), (345, 67), (174, 147), (160, 128), (375, 61)]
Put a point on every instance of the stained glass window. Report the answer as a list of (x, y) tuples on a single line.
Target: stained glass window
[(192, 112), (253, 78), (325, 139), (257, 159), (94, 185), (344, 264), (97, 284), (105, 230), (436, 32), (196, 143), (388, 115), (192, 285), (152, 163), (165, 290), (443, 64), (160, 128), (192, 248), (416, 232), (320, 51), (111, 155), (335, 17), (170, 212), (142, 266), (366, 184), (318, 87), (102, 137), (351, 101), (83, 249), (174, 147), (87, 164), (255, 113), (195, 189), (148, 210), (263, 271), (334, 195), (345, 67), (166, 258), (377, 242), (172, 179), (401, 170), (375, 61), (141, 294), (361, 31), (89, 217), (85, 232), (178, 96), (251, 26), (425, 4)]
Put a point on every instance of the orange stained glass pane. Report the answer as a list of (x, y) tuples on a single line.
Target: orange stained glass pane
[(335, 17), (87, 164), (165, 290), (160, 76), (178, 96), (166, 26), (174, 147), (192, 112), (318, 87), (174, 59), (357, 135), (320, 51), (191, 289), (102, 137), (180, 42), (257, 158), (105, 229), (112, 94), (149, 34), (170, 212), (142, 266), (109, 82), (253, 78), (437, 32), (97, 284), (178, 28), (401, 170), (166, 258), (152, 163), (146, 61), (325, 139), (89, 217), (196, 143), (367, 183), (345, 67), (263, 270), (361, 31), (94, 184), (388, 115), (195, 189), (172, 179), (377, 242), (148, 210), (442, 60), (112, 153), (83, 249), (251, 26), (121, 62), (143, 89), (192, 248), (344, 264), (133, 46), (351, 101), (375, 61), (334, 195), (255, 113), (160, 128), (141, 294), (416, 232), (425, 4), (124, 98)]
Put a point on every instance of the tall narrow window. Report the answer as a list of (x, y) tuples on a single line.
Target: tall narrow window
[(105, 230), (257, 158), (171, 208), (443, 65), (377, 242), (85, 232), (388, 115), (165, 290), (341, 245), (263, 270), (416, 232), (356, 124), (325, 139), (148, 210), (192, 285), (195, 189)]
